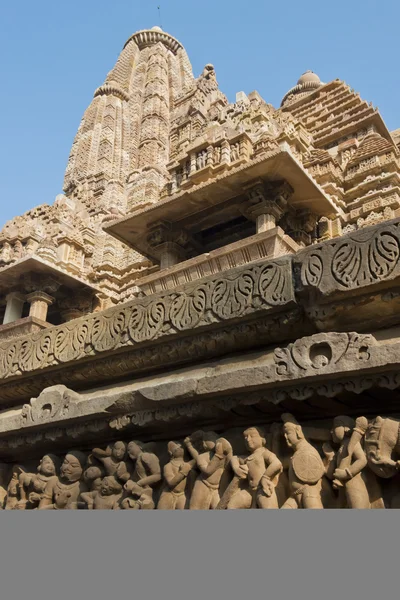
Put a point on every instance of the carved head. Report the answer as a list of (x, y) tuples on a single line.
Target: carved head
[(13, 486), (292, 430), (209, 440), (254, 438), (135, 449), (49, 465), (222, 446), (73, 466), (118, 450), (92, 473), (110, 486), (176, 450), (342, 426)]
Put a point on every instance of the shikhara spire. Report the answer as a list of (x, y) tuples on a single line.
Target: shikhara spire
[(122, 146), (214, 235)]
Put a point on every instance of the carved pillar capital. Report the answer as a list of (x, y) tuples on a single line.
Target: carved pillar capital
[(267, 203), (300, 225), (40, 302), (169, 243), (32, 282), (75, 305)]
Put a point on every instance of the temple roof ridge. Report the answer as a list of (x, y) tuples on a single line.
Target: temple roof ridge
[(150, 37)]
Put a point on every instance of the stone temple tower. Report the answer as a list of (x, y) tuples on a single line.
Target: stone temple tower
[(219, 273), (122, 145)]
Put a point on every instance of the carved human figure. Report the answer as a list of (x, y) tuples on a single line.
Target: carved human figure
[(235, 152), (217, 155), (201, 159), (108, 497), (111, 457), (256, 474), (4, 478), (64, 492), (94, 473), (146, 471), (174, 492), (145, 474), (345, 466), (212, 464), (14, 488), (33, 485), (306, 468), (138, 499)]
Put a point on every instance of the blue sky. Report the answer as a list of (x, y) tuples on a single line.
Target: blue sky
[(55, 54)]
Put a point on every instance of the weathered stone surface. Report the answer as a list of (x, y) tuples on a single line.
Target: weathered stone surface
[(212, 270)]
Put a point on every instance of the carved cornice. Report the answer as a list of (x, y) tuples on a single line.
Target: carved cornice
[(321, 365), (239, 309), (357, 260), (240, 293)]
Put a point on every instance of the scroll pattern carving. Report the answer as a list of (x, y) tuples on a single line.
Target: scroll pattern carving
[(355, 260), (237, 294), (322, 353)]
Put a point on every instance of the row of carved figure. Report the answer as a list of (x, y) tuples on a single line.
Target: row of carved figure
[(202, 472)]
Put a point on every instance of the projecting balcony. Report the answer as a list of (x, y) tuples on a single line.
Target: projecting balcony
[(265, 208)]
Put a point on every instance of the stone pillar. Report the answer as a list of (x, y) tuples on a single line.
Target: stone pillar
[(15, 304), (170, 254), (40, 302), (265, 222), (266, 203), (168, 244)]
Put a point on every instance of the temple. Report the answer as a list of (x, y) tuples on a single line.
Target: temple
[(208, 316)]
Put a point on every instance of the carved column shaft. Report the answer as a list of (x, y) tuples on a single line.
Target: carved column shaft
[(15, 303), (170, 254), (40, 302)]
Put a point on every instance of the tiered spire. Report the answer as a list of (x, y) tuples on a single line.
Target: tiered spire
[(122, 145)]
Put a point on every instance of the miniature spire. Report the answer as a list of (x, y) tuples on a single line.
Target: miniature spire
[(307, 83)]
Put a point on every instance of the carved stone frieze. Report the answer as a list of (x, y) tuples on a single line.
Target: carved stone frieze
[(348, 463), (353, 261), (239, 293)]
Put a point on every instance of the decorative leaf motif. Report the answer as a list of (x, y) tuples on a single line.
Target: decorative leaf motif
[(222, 298), (312, 269), (188, 309), (271, 284), (231, 297), (146, 322), (383, 255), (355, 264)]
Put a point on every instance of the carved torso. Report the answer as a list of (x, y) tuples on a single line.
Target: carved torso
[(171, 470), (106, 502), (58, 491)]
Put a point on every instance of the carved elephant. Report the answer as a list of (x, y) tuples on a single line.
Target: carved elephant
[(382, 446)]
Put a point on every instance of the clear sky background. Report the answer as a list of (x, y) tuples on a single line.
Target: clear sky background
[(55, 54)]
